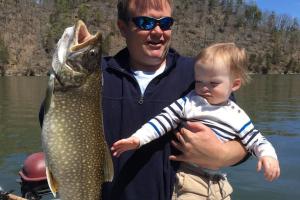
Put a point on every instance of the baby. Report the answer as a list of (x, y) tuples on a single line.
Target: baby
[(220, 69)]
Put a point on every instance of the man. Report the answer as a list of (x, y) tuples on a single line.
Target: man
[(138, 82)]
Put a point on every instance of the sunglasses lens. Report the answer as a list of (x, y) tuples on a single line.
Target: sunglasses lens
[(166, 23), (149, 23), (144, 23)]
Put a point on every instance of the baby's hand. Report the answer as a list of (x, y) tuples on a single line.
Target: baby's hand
[(271, 167), (124, 145)]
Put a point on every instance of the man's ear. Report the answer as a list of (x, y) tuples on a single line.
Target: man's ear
[(236, 84), (122, 27)]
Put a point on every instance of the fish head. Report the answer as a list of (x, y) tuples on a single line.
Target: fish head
[(85, 51), (78, 56)]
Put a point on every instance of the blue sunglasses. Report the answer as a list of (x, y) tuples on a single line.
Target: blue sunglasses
[(149, 23)]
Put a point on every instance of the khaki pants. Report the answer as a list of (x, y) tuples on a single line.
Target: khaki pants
[(194, 187)]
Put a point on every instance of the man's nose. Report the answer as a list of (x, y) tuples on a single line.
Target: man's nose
[(157, 29)]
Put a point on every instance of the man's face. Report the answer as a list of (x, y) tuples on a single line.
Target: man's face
[(147, 47)]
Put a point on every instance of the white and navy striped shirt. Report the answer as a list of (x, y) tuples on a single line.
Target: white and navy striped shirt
[(228, 122)]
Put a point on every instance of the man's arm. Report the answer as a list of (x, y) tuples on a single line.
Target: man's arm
[(199, 145)]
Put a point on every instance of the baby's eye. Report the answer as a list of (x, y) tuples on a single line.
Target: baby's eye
[(214, 83), (199, 82)]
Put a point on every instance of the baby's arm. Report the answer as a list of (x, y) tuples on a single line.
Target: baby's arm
[(271, 167), (258, 145), (153, 129), (124, 145), (267, 158), (263, 149)]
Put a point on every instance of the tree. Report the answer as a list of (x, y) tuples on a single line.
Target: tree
[(253, 15), (4, 55), (271, 22), (212, 4)]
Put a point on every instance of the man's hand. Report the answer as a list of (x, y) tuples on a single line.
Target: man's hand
[(199, 145)]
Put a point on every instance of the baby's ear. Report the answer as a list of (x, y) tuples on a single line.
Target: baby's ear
[(236, 84)]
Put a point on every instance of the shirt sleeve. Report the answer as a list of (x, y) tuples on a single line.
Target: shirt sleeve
[(255, 142), (167, 120)]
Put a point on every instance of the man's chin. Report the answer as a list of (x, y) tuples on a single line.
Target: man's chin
[(156, 53)]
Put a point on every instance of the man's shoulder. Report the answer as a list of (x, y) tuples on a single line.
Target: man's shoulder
[(114, 61), (183, 66), (108, 61), (180, 59), (105, 60)]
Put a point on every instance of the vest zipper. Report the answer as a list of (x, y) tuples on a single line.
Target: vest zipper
[(141, 98)]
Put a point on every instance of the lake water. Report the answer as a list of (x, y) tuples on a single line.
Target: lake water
[(273, 102)]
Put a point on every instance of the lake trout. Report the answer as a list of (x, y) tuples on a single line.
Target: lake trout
[(78, 160)]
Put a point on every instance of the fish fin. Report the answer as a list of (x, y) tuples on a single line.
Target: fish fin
[(108, 166), (53, 185), (49, 93)]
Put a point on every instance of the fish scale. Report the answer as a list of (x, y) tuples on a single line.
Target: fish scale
[(77, 157)]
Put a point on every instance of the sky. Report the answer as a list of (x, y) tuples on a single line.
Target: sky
[(289, 7)]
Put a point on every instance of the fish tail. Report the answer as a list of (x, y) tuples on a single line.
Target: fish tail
[(108, 166), (53, 185)]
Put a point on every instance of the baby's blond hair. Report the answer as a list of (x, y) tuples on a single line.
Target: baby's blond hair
[(232, 56)]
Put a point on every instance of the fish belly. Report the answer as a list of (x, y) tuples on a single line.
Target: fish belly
[(74, 146)]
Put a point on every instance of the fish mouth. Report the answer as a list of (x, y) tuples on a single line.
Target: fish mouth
[(83, 37)]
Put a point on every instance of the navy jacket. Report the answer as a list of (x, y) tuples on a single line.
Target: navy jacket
[(147, 173)]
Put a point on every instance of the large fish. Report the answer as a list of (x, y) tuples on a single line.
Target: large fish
[(77, 157)]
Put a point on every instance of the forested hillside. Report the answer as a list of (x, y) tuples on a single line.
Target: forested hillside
[(29, 30)]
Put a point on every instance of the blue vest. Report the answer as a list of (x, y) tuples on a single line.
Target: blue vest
[(147, 173)]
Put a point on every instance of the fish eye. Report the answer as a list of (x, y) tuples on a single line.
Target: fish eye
[(92, 53)]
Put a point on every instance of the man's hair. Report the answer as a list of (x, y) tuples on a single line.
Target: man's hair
[(232, 56), (124, 12)]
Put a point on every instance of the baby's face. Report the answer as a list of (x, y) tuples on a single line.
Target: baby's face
[(214, 83)]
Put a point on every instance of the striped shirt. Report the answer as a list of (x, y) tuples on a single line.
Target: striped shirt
[(228, 122)]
